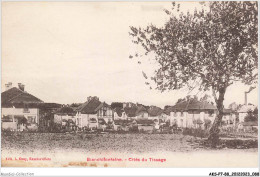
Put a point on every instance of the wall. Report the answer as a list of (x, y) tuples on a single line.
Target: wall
[(82, 120), (58, 118), (142, 115), (185, 119), (9, 125), (34, 112), (29, 114), (242, 116)]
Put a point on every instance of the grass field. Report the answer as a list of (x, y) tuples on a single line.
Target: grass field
[(73, 150)]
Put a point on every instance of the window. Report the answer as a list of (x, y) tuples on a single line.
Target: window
[(182, 114), (93, 120), (104, 112), (211, 112), (7, 119), (31, 119), (26, 110), (175, 114)]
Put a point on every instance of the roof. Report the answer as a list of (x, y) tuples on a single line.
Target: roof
[(167, 110), (50, 105), (119, 111), (192, 104), (130, 111), (154, 111), (91, 106), (65, 110), (21, 105), (15, 95), (140, 108)]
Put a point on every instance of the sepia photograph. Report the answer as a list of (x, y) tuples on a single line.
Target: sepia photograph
[(130, 84)]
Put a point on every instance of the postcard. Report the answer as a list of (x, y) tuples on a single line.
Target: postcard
[(130, 84)]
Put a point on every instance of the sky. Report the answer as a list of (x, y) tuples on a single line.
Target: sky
[(66, 51)]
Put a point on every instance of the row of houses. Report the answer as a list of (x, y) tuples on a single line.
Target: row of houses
[(22, 110)]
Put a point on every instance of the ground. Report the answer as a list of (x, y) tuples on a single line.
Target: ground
[(71, 149)]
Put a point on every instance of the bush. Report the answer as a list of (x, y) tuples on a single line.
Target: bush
[(187, 131), (196, 132)]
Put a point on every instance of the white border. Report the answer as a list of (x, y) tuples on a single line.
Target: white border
[(123, 171), (64, 171)]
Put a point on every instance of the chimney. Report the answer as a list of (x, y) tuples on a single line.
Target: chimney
[(245, 98), (250, 89), (94, 97), (8, 86), (21, 86)]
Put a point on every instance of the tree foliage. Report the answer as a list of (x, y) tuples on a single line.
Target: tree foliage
[(218, 46), (252, 115), (210, 48)]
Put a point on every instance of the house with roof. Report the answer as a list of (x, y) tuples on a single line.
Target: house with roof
[(119, 113), (158, 115), (192, 113), (131, 111), (47, 111), (65, 115), (124, 124), (145, 125), (20, 110), (243, 111), (229, 118), (93, 113), (141, 112)]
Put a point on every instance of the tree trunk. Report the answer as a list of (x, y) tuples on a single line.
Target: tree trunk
[(213, 138)]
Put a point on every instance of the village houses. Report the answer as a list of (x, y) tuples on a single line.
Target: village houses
[(131, 111), (192, 113), (20, 109), (64, 115), (93, 114)]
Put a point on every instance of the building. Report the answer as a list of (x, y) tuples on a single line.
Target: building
[(158, 116), (192, 113), (64, 115), (131, 111), (243, 111), (123, 125), (145, 125), (47, 111), (229, 118), (90, 113), (251, 126), (20, 110)]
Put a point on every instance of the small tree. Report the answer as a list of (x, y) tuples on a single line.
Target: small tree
[(213, 48), (251, 116)]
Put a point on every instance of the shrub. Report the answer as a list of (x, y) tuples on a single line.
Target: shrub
[(196, 132)]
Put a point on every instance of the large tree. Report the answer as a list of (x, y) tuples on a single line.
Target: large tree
[(214, 46)]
